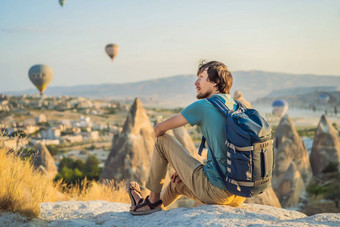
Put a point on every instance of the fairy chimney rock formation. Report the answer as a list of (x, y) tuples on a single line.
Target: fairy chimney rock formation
[(131, 150), (292, 168), (239, 97), (288, 142), (326, 147), (44, 162), (289, 187)]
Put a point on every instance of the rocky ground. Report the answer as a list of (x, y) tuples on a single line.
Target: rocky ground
[(102, 213)]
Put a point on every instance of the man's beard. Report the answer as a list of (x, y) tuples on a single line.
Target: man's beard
[(204, 95)]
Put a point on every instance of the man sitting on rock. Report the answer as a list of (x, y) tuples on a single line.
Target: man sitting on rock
[(192, 178)]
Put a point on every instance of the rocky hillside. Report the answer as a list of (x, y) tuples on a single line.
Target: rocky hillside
[(179, 90), (304, 97)]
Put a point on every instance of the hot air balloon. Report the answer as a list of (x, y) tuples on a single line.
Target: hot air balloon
[(280, 107), (41, 76), (112, 50), (323, 98), (62, 2)]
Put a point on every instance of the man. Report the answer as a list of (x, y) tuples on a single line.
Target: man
[(192, 178)]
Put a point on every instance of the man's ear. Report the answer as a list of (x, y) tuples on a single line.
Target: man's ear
[(215, 86)]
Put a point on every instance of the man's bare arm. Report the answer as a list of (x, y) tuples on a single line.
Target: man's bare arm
[(174, 122)]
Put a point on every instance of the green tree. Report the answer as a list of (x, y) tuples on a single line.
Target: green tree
[(315, 189), (74, 171), (92, 170), (70, 176), (65, 162)]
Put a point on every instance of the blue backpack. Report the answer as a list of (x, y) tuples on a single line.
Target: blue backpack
[(249, 150)]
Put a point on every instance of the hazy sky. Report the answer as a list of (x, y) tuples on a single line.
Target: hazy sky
[(159, 38)]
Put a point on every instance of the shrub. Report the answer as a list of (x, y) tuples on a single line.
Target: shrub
[(332, 190), (333, 193), (315, 189), (74, 171)]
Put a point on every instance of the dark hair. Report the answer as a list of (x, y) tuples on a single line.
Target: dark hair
[(217, 73)]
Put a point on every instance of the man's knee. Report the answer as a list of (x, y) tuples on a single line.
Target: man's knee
[(162, 140)]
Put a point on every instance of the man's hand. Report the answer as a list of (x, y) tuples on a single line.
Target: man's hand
[(175, 178), (174, 122)]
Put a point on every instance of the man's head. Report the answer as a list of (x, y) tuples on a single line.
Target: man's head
[(213, 78)]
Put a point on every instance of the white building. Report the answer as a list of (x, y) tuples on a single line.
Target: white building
[(41, 118), (50, 133), (94, 135)]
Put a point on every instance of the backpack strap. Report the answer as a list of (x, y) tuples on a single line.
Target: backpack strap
[(220, 106), (223, 109), (201, 146), (219, 170)]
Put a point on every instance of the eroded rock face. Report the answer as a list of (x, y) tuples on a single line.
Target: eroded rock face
[(268, 198), (44, 162), (131, 151), (326, 147), (291, 160), (288, 141), (289, 186)]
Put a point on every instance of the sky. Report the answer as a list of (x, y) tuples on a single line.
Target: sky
[(159, 38)]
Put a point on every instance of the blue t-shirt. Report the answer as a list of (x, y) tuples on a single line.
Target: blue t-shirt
[(212, 124)]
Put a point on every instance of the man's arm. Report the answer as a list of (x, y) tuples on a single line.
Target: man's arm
[(174, 122)]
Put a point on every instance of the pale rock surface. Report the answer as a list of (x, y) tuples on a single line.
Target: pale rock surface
[(268, 198), (326, 147), (44, 162), (102, 213), (131, 151)]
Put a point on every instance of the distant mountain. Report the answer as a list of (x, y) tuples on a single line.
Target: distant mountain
[(180, 91), (304, 97), (302, 91)]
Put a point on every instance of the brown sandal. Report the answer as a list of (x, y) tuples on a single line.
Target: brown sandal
[(147, 202), (134, 186)]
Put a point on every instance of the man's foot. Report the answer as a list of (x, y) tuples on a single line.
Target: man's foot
[(147, 207), (135, 194)]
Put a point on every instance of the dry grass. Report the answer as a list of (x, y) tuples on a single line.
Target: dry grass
[(22, 189), (92, 190)]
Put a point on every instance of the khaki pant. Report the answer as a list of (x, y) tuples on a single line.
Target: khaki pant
[(195, 183)]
